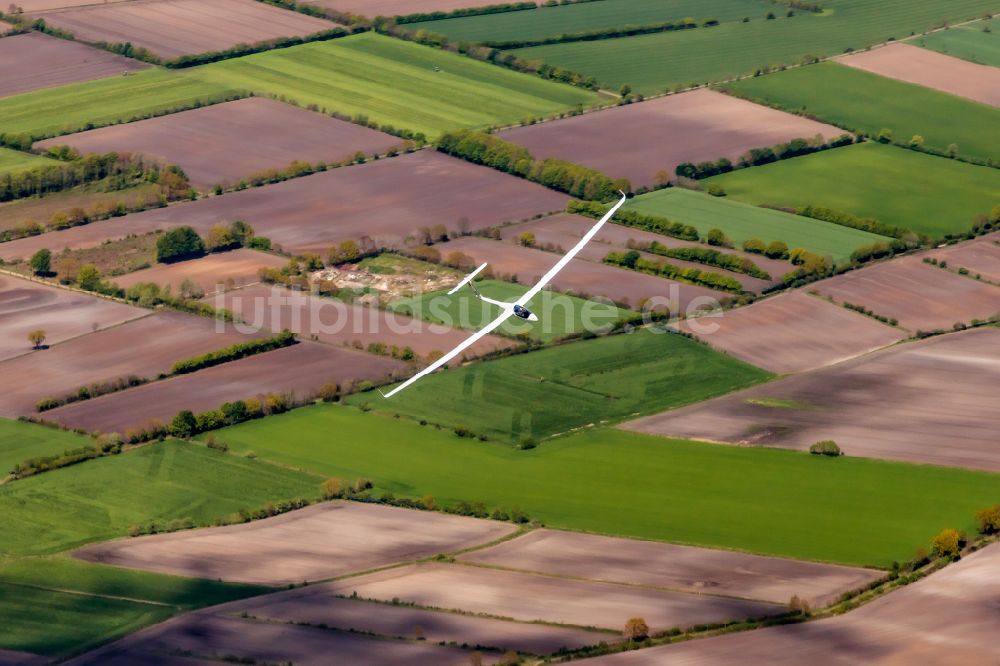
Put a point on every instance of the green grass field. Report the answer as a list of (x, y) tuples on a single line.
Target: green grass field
[(848, 510), (15, 160), (559, 314), (555, 390), (583, 17), (931, 195), (865, 102), (652, 63), (20, 441), (969, 42), (742, 222), (398, 83)]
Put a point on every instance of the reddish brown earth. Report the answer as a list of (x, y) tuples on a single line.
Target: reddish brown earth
[(27, 306), (583, 277), (33, 61), (144, 348), (672, 567), (931, 69), (321, 541), (980, 257), (531, 597), (14, 658), (220, 271), (301, 369), (212, 143), (636, 141), (276, 308), (43, 5), (372, 8), (793, 332), (917, 295), (173, 28), (932, 402), (947, 619), (386, 200)]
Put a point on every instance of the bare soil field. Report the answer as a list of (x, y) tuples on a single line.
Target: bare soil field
[(931, 69), (326, 540), (275, 308), (14, 658), (173, 28), (917, 295), (220, 271), (979, 257), (144, 347), (947, 619), (301, 369), (224, 143), (793, 332), (33, 61), (91, 199), (530, 597), (318, 605), (27, 306), (673, 567), (636, 141), (373, 8), (385, 200), (583, 277), (44, 5), (932, 402)]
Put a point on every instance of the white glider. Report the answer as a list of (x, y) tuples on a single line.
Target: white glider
[(515, 309)]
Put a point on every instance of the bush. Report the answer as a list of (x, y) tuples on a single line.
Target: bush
[(776, 250), (826, 448), (989, 520), (636, 629), (179, 244), (184, 424), (233, 352), (331, 489), (948, 543)]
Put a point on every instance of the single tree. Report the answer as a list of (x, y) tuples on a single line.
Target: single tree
[(527, 239), (41, 262), (88, 277), (178, 244), (36, 338), (636, 629), (184, 424), (948, 543)]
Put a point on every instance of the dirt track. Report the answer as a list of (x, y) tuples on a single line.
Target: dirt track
[(928, 402), (209, 273), (931, 69), (33, 61), (172, 28), (223, 143), (947, 619), (636, 141), (793, 332)]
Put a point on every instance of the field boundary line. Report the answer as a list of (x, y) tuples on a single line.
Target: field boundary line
[(83, 593)]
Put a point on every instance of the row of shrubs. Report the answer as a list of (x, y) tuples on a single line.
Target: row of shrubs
[(845, 219), (870, 313), (634, 261), (492, 151), (77, 216), (500, 8), (105, 446), (760, 156), (234, 352), (602, 33), (94, 390), (188, 424), (631, 218), (710, 257)]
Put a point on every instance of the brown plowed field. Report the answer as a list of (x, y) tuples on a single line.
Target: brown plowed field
[(43, 5), (209, 273), (980, 257), (793, 332), (223, 143), (931, 69), (668, 566), (302, 369), (581, 276), (530, 597), (372, 8), (14, 658), (917, 295), (275, 308), (321, 541), (144, 347), (386, 199), (929, 402), (636, 141), (173, 28), (947, 619), (26, 306), (33, 61)]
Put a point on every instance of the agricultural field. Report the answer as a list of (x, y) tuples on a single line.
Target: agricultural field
[(792, 332), (174, 28), (741, 222), (662, 61), (422, 189), (211, 145), (33, 61), (20, 441), (141, 348), (645, 142), (929, 195), (331, 540), (877, 103), (581, 482), (373, 8), (44, 5), (980, 258), (14, 160), (27, 306), (928, 402), (945, 618), (970, 42), (980, 83), (298, 371), (212, 273), (560, 314), (90, 198)]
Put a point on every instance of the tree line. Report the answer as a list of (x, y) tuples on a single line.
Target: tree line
[(760, 156), (635, 261), (233, 353), (710, 257), (631, 218), (602, 33)]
